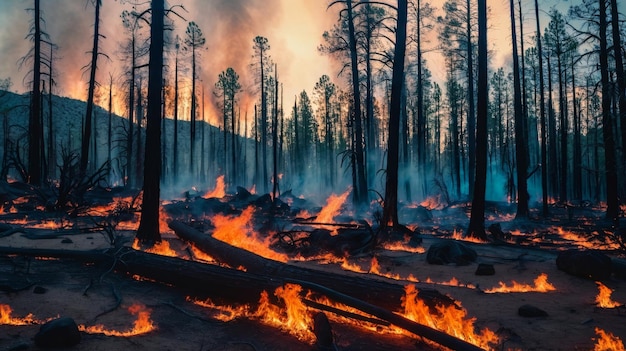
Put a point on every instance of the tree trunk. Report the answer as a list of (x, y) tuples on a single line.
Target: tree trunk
[(34, 125), (390, 208), (175, 145), (84, 150), (148, 232), (621, 76), (612, 202), (542, 109), (477, 219), (521, 149), (471, 116), (360, 187)]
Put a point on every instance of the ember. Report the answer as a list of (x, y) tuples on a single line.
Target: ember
[(541, 284), (142, 325), (604, 297)]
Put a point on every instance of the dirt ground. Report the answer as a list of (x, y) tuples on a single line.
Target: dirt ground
[(83, 292)]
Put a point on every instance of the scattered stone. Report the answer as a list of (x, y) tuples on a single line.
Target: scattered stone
[(450, 251), (531, 311), (66, 241), (586, 264), (60, 332), (40, 290), (485, 269)]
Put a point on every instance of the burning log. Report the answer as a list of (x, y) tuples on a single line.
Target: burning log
[(378, 292)]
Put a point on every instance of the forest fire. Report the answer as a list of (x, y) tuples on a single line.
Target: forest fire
[(449, 319), (332, 207), (161, 248), (142, 324), (541, 284), (238, 231), (606, 341), (603, 299), (219, 191)]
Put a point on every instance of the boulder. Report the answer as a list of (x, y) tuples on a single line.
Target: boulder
[(531, 311), (60, 332), (585, 263), (450, 251)]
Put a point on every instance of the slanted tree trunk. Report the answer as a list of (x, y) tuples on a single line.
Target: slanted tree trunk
[(390, 208), (148, 232)]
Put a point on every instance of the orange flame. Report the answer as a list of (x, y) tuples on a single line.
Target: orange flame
[(604, 297), (161, 248), (224, 313), (608, 342), (450, 320), (432, 203), (293, 317), (541, 284), (142, 325), (6, 318), (237, 231), (398, 246), (332, 207), (219, 191)]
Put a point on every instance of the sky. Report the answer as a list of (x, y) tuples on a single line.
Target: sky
[(293, 27)]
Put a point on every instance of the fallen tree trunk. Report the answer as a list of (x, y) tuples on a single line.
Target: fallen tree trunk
[(229, 284), (379, 292)]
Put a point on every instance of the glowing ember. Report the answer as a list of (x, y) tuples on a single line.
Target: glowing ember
[(163, 219), (604, 297), (432, 203), (142, 325), (201, 255), (541, 284), (450, 320), (458, 235), (608, 342), (6, 318), (353, 267), (332, 207), (219, 191), (237, 231)]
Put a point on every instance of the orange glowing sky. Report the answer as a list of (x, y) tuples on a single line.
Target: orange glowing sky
[(293, 27)]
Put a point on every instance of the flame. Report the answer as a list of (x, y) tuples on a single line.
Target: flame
[(583, 241), (47, 224), (458, 235), (604, 297), (253, 189), (450, 320), (164, 217), (7, 319), (161, 248), (237, 231), (219, 191), (608, 342), (142, 325), (201, 255), (541, 284), (432, 203), (332, 207), (398, 246), (223, 313)]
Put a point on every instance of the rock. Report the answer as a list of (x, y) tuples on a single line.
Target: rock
[(531, 311), (66, 241), (60, 332), (450, 251), (485, 269), (323, 332), (586, 264), (40, 290)]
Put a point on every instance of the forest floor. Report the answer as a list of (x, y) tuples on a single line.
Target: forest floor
[(84, 291)]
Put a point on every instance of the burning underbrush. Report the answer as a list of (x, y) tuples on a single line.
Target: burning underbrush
[(332, 238)]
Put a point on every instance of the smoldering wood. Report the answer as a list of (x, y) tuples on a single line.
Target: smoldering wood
[(381, 292)]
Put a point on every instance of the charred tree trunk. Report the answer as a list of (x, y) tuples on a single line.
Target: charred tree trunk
[(360, 187), (471, 115), (390, 208), (542, 111), (84, 149), (34, 122), (175, 145), (612, 202), (477, 220), (621, 76), (521, 149), (148, 232)]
